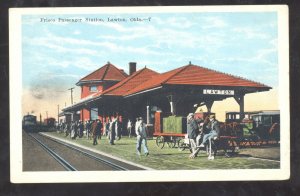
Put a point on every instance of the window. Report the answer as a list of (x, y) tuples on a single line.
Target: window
[(276, 119), (93, 89), (267, 120), (94, 113), (257, 120)]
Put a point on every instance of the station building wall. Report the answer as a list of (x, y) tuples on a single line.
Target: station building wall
[(87, 90)]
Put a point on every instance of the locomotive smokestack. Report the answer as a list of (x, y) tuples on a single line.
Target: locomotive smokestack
[(132, 67)]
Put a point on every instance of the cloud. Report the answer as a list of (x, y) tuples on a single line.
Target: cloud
[(260, 58), (263, 54), (251, 33), (42, 61), (63, 45), (46, 85), (60, 45), (84, 63), (67, 76), (79, 62), (156, 41), (213, 22), (169, 35), (274, 43), (77, 32)]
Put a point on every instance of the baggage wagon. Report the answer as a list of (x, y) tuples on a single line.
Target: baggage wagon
[(174, 134)]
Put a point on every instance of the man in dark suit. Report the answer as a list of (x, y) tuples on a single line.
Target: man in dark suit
[(94, 132), (99, 129)]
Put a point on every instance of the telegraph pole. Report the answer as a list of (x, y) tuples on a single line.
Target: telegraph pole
[(71, 89), (40, 118), (58, 114)]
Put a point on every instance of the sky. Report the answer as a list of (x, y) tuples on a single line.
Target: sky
[(56, 53)]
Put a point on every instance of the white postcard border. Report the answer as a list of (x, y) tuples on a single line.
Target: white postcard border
[(15, 60)]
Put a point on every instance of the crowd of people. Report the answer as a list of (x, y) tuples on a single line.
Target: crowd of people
[(112, 129), (200, 131)]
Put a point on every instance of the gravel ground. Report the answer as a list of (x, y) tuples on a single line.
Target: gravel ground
[(266, 152)]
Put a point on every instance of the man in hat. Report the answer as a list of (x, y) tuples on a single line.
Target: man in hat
[(113, 131), (214, 130), (129, 127), (141, 137), (80, 128), (192, 130), (94, 132), (99, 128)]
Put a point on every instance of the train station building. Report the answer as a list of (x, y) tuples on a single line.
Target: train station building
[(109, 91)]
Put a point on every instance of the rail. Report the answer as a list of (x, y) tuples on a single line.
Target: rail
[(104, 161), (58, 158)]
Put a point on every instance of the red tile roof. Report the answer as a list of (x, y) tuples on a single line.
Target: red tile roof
[(195, 75), (105, 73), (146, 79), (130, 82), (155, 81)]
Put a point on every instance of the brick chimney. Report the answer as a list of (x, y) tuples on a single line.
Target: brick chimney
[(132, 67)]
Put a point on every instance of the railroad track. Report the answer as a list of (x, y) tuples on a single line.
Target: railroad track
[(66, 164), (57, 157)]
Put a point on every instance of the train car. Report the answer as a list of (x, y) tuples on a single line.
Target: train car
[(29, 122), (49, 122)]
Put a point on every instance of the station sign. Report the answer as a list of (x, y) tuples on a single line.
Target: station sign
[(218, 92)]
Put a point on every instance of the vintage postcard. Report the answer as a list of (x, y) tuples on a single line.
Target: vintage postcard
[(143, 94)]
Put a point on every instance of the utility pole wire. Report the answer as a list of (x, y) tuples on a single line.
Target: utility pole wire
[(71, 89)]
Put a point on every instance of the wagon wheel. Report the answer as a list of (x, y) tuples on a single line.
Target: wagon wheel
[(160, 141), (171, 142), (181, 145), (231, 148)]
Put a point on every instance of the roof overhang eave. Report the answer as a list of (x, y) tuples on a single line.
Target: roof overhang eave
[(77, 106), (79, 83), (88, 82), (144, 91), (261, 89)]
